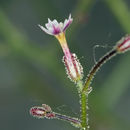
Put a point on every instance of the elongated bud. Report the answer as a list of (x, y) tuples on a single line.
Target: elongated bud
[(124, 44), (45, 112), (42, 112), (73, 67)]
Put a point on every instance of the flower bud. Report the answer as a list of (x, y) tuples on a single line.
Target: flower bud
[(73, 67), (42, 112), (38, 112), (124, 44)]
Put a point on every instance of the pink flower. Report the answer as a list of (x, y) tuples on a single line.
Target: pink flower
[(55, 28)]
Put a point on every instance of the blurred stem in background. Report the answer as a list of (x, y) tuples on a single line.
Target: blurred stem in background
[(121, 12), (4, 50), (80, 13)]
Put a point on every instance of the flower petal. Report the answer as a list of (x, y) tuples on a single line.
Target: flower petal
[(55, 23), (70, 16), (49, 21), (48, 26), (67, 23), (45, 30)]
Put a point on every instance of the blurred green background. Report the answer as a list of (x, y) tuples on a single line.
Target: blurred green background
[(32, 73)]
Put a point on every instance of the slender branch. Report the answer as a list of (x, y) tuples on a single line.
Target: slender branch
[(72, 120), (96, 68)]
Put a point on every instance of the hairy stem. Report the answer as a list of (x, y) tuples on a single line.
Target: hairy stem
[(96, 68), (84, 113), (85, 91)]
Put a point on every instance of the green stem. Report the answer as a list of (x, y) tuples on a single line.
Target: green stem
[(85, 91), (83, 101), (84, 113), (79, 86)]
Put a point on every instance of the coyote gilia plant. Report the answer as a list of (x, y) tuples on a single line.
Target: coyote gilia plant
[(75, 73)]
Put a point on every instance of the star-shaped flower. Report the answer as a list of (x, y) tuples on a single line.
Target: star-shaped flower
[(55, 28)]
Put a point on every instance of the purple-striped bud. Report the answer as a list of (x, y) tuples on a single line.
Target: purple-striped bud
[(42, 112), (73, 67), (38, 112), (124, 44)]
